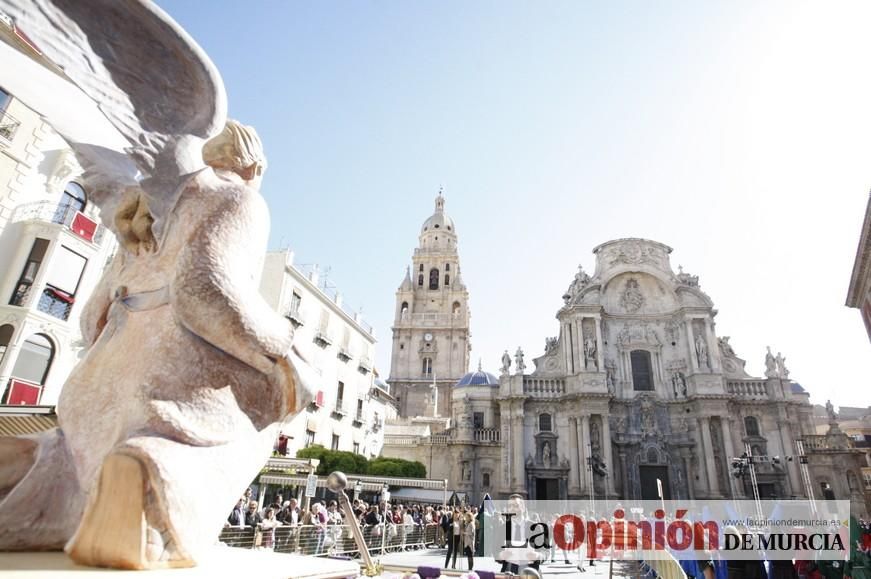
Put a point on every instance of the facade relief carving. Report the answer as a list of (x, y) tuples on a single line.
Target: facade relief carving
[(632, 299)]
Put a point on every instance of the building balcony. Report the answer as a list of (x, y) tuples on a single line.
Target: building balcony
[(55, 302), (344, 354), (339, 408), (295, 317), (8, 127), (748, 389), (322, 339), (488, 435), (358, 419), (67, 216), (365, 365), (544, 387)]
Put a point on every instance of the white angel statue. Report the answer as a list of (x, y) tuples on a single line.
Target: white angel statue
[(188, 372)]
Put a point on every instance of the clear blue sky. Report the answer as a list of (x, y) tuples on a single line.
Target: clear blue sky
[(737, 133)]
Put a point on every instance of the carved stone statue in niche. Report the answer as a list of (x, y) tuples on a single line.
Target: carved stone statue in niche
[(648, 420), (679, 384), (620, 425), (610, 379), (701, 351), (632, 299), (590, 353), (546, 454), (595, 439)]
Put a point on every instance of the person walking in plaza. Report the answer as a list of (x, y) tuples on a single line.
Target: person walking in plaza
[(469, 538), (454, 535)]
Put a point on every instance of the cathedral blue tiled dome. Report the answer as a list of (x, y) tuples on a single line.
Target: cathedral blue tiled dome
[(479, 378)]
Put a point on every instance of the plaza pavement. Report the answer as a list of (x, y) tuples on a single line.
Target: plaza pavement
[(558, 570)]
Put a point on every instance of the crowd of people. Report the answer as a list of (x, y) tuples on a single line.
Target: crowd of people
[(285, 525)]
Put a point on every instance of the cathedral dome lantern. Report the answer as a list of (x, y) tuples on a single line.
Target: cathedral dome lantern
[(438, 226)]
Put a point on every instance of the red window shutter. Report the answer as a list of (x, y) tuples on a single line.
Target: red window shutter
[(21, 392), (319, 399), (83, 227)]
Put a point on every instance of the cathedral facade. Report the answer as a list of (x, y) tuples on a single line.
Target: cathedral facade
[(635, 391)]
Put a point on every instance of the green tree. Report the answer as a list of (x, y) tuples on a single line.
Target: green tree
[(384, 466), (332, 460)]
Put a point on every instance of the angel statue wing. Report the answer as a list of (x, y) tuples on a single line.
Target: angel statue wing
[(153, 84)]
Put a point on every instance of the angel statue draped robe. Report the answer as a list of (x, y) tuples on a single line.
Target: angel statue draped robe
[(188, 373)]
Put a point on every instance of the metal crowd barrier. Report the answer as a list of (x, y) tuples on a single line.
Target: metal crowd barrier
[(332, 540)]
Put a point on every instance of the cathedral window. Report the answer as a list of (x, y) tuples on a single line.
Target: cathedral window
[(434, 278), (751, 426), (447, 279), (420, 280), (426, 367), (642, 376), (447, 267), (421, 268), (544, 423), (485, 479), (456, 309), (478, 420)]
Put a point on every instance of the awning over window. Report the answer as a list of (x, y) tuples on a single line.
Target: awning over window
[(292, 481), (20, 420), (430, 496)]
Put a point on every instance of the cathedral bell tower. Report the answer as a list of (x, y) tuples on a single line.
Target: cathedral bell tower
[(431, 324)]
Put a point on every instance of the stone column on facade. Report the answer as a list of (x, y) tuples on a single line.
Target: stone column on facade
[(606, 441), (729, 448), (600, 350), (688, 469), (708, 455), (508, 442), (624, 474), (519, 461), (575, 472), (583, 446), (578, 349), (700, 454), (691, 343)]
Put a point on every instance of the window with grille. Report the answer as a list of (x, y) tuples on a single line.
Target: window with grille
[(642, 376)]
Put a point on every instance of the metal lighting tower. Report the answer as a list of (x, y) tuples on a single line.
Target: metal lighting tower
[(805, 475)]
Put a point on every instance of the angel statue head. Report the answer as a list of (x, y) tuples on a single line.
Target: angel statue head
[(238, 149)]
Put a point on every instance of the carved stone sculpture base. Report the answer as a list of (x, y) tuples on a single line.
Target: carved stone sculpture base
[(219, 562)]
